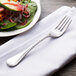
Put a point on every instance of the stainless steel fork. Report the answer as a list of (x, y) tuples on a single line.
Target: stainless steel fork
[(55, 32)]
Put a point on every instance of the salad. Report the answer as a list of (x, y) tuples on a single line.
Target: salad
[(16, 14)]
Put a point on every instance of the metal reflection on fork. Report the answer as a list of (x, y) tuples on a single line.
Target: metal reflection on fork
[(55, 32)]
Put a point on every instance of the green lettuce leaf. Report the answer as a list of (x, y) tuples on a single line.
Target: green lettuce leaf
[(7, 26)]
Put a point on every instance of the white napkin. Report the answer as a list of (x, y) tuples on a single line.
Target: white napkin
[(47, 57)]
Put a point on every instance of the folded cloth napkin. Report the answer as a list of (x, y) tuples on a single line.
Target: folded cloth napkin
[(47, 57)]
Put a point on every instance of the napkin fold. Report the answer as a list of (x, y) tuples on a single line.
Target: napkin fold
[(47, 57)]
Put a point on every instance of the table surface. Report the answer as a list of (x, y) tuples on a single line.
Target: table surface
[(48, 6)]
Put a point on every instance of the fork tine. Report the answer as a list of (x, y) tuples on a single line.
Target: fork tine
[(61, 22), (65, 23)]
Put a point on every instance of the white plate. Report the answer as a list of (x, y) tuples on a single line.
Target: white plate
[(15, 32)]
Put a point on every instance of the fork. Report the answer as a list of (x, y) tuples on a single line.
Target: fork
[(55, 32)]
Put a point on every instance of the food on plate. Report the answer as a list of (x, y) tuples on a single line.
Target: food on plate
[(16, 14)]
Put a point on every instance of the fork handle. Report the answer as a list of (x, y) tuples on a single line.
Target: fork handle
[(13, 61)]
